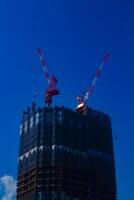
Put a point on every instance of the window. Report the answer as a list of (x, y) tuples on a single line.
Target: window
[(20, 129), (31, 122), (53, 147), (60, 117), (25, 128), (71, 123), (37, 118)]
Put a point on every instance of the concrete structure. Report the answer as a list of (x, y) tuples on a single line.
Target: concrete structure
[(64, 155)]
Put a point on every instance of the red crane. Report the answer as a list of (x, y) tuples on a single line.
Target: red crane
[(82, 100), (51, 80)]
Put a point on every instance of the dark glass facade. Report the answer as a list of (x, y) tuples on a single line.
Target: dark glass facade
[(64, 155)]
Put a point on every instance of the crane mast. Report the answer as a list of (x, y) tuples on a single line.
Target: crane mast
[(82, 100), (51, 80)]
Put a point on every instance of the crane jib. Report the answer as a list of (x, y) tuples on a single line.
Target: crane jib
[(51, 80), (92, 86)]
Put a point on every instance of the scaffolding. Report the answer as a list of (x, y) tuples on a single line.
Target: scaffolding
[(64, 155)]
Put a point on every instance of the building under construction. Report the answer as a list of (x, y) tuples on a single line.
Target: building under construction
[(64, 155)]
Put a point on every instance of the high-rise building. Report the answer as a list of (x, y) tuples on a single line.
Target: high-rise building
[(64, 155)]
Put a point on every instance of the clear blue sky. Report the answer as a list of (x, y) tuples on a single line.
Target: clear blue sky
[(74, 35)]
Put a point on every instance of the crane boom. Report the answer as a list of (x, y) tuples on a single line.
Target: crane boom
[(83, 100), (44, 64), (97, 75), (51, 79)]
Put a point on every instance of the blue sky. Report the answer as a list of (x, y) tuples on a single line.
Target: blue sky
[(74, 35)]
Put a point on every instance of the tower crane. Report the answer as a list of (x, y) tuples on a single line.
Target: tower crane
[(51, 80), (82, 100)]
